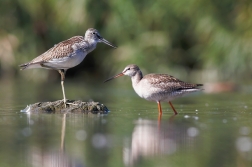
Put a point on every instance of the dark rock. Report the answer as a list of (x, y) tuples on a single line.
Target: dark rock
[(72, 106)]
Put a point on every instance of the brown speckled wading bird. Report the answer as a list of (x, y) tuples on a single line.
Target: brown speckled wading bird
[(157, 87), (67, 54)]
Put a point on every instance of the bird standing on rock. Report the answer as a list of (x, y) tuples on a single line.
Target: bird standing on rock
[(157, 87), (67, 54)]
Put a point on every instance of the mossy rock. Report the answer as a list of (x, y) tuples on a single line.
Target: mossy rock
[(72, 106)]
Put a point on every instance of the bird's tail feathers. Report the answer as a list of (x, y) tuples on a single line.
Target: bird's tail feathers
[(23, 66)]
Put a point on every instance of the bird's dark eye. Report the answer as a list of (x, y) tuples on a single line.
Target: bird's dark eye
[(93, 32), (128, 69)]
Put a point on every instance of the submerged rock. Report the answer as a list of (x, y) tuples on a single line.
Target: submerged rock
[(72, 106)]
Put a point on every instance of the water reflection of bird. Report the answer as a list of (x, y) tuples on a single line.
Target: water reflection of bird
[(150, 139), (67, 54), (40, 157), (157, 87)]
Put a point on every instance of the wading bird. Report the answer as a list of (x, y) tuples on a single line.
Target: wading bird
[(157, 87), (67, 54)]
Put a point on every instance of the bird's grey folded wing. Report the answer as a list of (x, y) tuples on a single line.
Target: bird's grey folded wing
[(59, 50), (168, 82)]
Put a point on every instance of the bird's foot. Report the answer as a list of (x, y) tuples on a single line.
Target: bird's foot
[(69, 103)]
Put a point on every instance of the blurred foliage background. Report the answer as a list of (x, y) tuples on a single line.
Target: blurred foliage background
[(202, 40)]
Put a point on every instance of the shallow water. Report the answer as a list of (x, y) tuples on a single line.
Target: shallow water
[(210, 130)]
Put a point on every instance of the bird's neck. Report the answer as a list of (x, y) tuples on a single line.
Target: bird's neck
[(89, 45), (92, 46), (136, 84), (92, 42), (136, 78)]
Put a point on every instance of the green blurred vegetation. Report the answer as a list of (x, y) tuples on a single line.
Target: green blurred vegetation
[(209, 40)]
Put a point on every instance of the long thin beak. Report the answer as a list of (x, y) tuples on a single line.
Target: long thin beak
[(118, 75), (107, 42)]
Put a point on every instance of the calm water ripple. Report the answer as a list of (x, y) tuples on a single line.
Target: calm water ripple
[(210, 130)]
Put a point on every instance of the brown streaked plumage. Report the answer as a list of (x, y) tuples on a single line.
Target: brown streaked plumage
[(157, 87), (67, 54), (59, 50)]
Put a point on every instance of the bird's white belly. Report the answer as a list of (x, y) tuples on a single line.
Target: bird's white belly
[(157, 94), (68, 61), (151, 94)]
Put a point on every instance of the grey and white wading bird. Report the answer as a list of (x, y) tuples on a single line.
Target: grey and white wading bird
[(157, 87), (67, 54)]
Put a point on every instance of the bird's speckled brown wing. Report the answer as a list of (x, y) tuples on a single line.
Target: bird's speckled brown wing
[(59, 50), (168, 82)]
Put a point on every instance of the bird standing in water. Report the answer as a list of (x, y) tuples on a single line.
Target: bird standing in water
[(157, 87), (67, 54)]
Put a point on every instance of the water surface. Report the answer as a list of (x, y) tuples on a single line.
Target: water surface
[(210, 129)]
